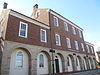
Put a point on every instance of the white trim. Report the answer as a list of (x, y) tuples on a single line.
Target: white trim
[(76, 45), (73, 30), (68, 42), (26, 29), (28, 19), (65, 20), (56, 20), (59, 44), (41, 35), (66, 27)]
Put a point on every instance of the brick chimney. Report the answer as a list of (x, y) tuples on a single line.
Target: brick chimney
[(35, 6), (5, 5)]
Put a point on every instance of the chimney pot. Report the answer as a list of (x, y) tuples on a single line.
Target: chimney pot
[(5, 5)]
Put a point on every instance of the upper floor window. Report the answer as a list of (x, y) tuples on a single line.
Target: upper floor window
[(76, 45), (43, 35), (80, 33), (88, 48), (19, 59), (82, 47), (37, 13), (68, 43), (56, 21), (73, 30), (65, 26), (92, 50), (57, 37), (41, 60), (23, 29)]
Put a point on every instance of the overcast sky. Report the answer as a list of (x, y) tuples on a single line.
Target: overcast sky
[(84, 13)]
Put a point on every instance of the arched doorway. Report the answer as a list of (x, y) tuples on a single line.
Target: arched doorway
[(78, 66), (42, 64), (58, 64), (90, 63), (70, 61), (84, 63), (19, 64)]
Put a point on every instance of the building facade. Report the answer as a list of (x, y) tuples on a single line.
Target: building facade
[(25, 44)]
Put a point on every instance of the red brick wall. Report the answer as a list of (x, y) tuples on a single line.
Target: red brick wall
[(63, 34), (33, 35)]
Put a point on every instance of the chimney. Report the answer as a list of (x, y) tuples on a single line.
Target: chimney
[(35, 6), (5, 5)]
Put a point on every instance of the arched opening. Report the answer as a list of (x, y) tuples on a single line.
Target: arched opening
[(90, 63), (78, 63), (58, 63), (84, 63), (94, 63), (19, 64), (70, 63), (42, 63)]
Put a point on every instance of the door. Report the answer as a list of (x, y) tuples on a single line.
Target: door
[(57, 65)]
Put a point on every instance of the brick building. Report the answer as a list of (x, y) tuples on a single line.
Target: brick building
[(44, 43)]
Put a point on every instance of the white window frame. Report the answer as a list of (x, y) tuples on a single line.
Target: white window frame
[(88, 48), (74, 30), (80, 33), (92, 50), (56, 24), (68, 42), (82, 45), (25, 30), (45, 35), (58, 41), (66, 26), (76, 45), (37, 14), (16, 63)]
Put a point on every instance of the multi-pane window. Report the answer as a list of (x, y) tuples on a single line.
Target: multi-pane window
[(57, 37), (73, 30), (88, 48), (80, 34), (76, 45), (82, 47), (68, 43), (23, 29), (43, 35), (65, 26), (19, 59), (41, 60), (56, 21)]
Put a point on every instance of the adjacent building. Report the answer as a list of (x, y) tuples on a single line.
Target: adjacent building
[(44, 43)]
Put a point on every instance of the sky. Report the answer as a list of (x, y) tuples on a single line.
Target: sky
[(84, 13)]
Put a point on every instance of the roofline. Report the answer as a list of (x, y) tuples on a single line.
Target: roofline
[(27, 16), (66, 19), (89, 43)]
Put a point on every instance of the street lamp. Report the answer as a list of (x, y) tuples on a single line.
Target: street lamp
[(52, 51)]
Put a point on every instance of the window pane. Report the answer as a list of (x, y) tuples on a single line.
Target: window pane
[(55, 21), (43, 35), (73, 30), (57, 39), (41, 61), (66, 26), (19, 59)]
